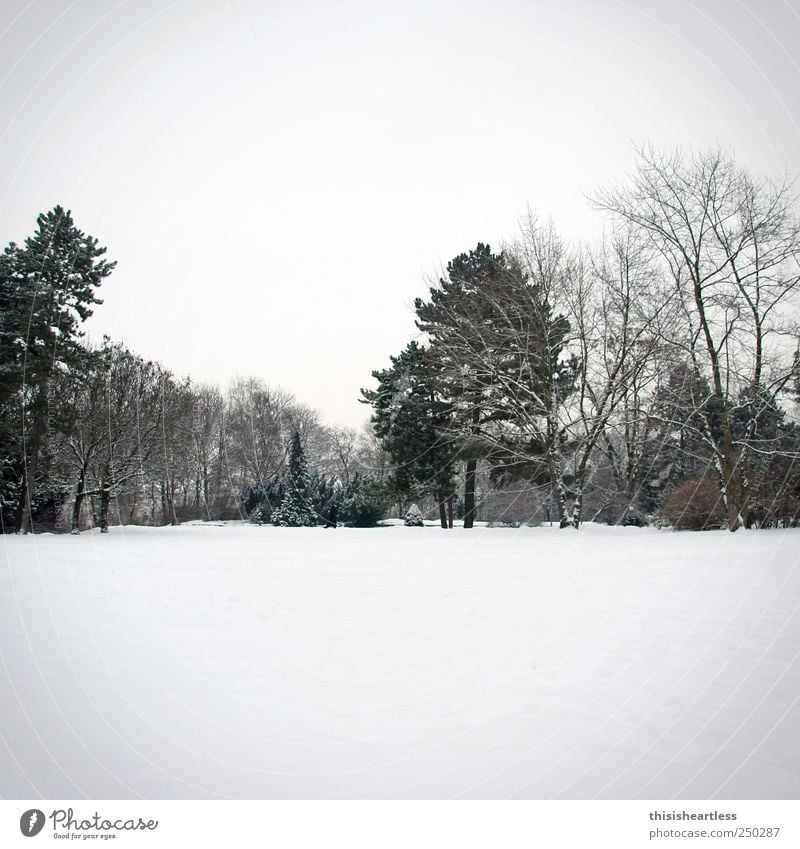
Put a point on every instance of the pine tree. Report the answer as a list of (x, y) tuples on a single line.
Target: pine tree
[(413, 517), (47, 289), (296, 509), (454, 317), (499, 345), (415, 425)]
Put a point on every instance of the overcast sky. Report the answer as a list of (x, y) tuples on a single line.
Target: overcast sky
[(277, 179)]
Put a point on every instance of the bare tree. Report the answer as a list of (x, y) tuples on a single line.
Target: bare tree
[(259, 419), (730, 246), (172, 461), (209, 407), (113, 415), (613, 301), (338, 452), (552, 276), (259, 423)]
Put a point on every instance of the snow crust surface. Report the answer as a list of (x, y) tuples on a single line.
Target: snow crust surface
[(261, 662)]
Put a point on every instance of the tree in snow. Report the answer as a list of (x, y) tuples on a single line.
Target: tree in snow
[(730, 246), (111, 429), (362, 502), (296, 508), (48, 288), (207, 451), (616, 306), (452, 317), (413, 517), (414, 423), (493, 328)]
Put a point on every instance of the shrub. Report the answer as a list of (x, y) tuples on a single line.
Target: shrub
[(632, 518), (363, 503), (413, 517), (505, 523), (694, 505), (260, 501)]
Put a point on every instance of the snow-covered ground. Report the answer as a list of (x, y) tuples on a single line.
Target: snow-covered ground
[(260, 662)]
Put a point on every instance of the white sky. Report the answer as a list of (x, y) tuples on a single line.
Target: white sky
[(276, 179)]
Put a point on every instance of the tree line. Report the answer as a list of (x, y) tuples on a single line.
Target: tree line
[(97, 435), (651, 376)]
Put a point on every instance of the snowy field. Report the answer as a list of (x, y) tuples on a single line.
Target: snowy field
[(258, 662)]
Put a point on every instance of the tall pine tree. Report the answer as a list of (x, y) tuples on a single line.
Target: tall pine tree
[(296, 509), (498, 344), (48, 290), (415, 425)]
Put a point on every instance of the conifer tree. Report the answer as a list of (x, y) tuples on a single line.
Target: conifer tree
[(498, 342), (415, 425), (47, 290), (296, 508), (452, 317)]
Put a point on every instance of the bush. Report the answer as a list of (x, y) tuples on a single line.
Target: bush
[(632, 518), (621, 509), (363, 503), (413, 517), (694, 505), (261, 501)]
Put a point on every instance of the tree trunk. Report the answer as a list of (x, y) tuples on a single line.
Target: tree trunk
[(745, 513), (153, 504), (557, 476), (134, 500), (169, 503), (76, 507), (20, 510), (734, 518), (219, 477), (197, 499), (25, 522), (440, 497), (105, 498), (577, 507), (469, 493), (205, 492), (745, 459), (31, 460), (728, 467), (580, 478), (450, 512), (554, 458), (164, 512)]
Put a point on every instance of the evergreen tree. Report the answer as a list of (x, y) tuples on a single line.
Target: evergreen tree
[(47, 289), (325, 497), (413, 517), (499, 344), (415, 425), (363, 502), (296, 508), (454, 317), (680, 444)]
